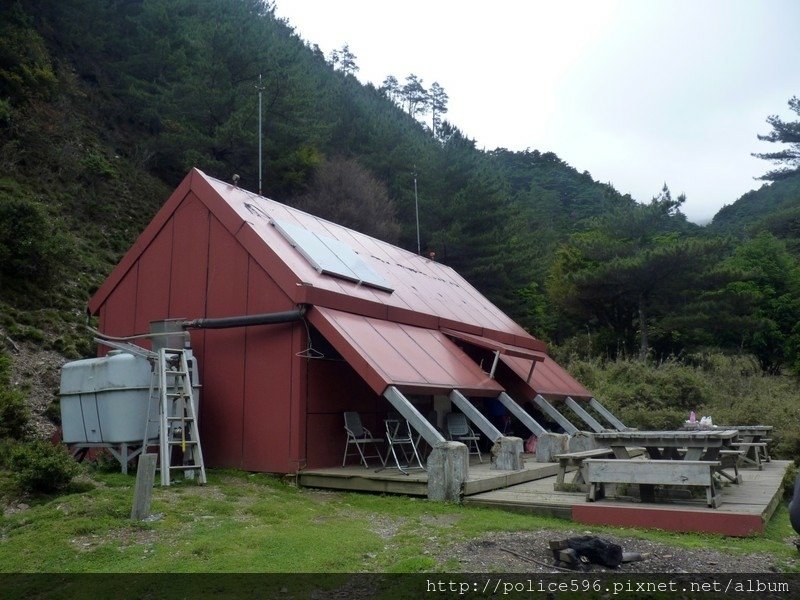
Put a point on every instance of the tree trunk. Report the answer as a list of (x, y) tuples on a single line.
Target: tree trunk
[(645, 342)]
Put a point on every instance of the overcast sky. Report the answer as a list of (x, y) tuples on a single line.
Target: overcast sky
[(637, 92)]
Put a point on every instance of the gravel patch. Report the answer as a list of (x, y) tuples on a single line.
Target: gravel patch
[(528, 552)]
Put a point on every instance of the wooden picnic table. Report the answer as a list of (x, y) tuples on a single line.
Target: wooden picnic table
[(754, 440), (702, 444), (675, 458)]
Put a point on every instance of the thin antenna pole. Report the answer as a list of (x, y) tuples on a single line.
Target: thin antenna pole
[(260, 90), (416, 209)]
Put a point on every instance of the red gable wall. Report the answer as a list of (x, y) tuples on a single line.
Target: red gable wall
[(192, 267)]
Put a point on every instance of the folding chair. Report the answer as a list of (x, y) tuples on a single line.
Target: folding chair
[(360, 436), (401, 438), (458, 430)]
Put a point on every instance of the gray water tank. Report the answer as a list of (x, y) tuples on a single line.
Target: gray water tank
[(104, 400)]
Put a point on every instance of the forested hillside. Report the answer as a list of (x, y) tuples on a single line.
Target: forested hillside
[(775, 207), (106, 104)]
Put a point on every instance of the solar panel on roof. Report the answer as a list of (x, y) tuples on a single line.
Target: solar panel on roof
[(330, 256)]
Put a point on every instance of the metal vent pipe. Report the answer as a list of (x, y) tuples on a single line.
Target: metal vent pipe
[(289, 316)]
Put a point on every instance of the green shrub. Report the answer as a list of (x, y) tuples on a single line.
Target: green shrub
[(40, 466), (788, 481), (5, 369), (642, 417), (53, 411), (644, 395), (589, 372), (668, 385), (13, 408), (25, 333), (731, 389), (66, 348), (13, 414), (97, 165), (26, 69), (104, 462), (6, 446), (33, 247)]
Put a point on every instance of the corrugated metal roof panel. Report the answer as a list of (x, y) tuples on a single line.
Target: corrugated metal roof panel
[(411, 358)]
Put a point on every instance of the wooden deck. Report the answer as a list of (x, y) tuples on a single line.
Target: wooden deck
[(392, 481), (745, 508)]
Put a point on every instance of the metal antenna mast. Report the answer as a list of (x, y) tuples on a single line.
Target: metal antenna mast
[(416, 209), (260, 89)]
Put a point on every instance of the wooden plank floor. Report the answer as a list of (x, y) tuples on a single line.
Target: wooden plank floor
[(391, 481), (745, 508)]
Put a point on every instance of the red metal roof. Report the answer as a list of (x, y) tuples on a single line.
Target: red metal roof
[(414, 359), (422, 288), (426, 293), (548, 379)]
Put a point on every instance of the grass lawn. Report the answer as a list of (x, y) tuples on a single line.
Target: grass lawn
[(245, 523)]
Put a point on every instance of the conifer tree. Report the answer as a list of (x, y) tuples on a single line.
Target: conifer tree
[(783, 132)]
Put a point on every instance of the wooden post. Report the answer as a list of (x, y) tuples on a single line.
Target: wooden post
[(143, 491)]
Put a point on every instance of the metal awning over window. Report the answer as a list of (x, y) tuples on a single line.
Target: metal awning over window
[(547, 378), (413, 359), (495, 346)]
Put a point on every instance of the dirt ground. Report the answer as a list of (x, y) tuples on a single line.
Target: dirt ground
[(528, 552)]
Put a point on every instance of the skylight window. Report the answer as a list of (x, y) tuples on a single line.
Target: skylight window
[(330, 256)]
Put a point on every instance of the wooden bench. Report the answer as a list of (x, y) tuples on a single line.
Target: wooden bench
[(759, 451), (576, 459), (766, 457), (730, 459), (647, 473)]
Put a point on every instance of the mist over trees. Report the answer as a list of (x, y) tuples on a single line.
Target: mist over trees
[(106, 104)]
